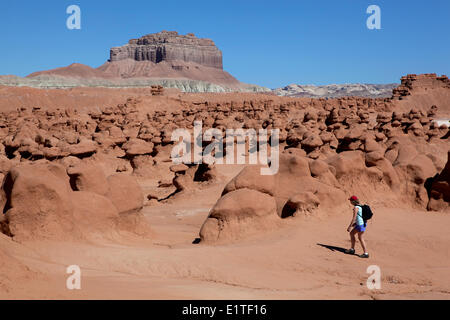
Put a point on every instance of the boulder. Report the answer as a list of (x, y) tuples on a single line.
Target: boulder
[(440, 190), (94, 214), (38, 202), (250, 178), (125, 193), (302, 203), (347, 162), (311, 142), (136, 147), (238, 213), (88, 177), (84, 148)]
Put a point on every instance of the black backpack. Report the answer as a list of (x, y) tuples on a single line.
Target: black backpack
[(366, 212)]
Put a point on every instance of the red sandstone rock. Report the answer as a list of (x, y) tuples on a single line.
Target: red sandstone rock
[(440, 190), (125, 193)]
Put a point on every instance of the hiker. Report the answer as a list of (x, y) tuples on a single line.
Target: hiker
[(357, 226)]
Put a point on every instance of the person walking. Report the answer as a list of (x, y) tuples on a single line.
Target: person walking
[(357, 227)]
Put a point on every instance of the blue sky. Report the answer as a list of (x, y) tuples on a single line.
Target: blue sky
[(270, 43)]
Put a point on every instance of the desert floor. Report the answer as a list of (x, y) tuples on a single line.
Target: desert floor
[(301, 259)]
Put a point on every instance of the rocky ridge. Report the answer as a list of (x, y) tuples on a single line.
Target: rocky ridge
[(45, 81), (337, 90)]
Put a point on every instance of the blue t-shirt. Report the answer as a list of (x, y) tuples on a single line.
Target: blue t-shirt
[(359, 219)]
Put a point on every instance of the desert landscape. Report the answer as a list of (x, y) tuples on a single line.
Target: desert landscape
[(89, 180)]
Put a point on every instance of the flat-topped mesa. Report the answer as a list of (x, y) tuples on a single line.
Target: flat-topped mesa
[(422, 81), (170, 46)]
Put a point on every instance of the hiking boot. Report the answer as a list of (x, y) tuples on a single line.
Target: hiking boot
[(350, 251), (364, 255)]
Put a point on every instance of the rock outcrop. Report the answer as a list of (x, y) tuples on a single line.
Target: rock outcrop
[(425, 81), (440, 190), (43, 201), (252, 202), (170, 46), (418, 90), (164, 59)]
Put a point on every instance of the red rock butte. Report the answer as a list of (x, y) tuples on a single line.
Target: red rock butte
[(165, 58), (170, 46)]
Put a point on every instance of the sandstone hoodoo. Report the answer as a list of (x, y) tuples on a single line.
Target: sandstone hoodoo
[(79, 170), (439, 189)]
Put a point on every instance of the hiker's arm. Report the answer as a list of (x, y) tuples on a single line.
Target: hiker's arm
[(355, 212)]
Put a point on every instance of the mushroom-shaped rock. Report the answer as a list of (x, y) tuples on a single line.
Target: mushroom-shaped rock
[(440, 190), (38, 201), (179, 168), (88, 177), (327, 137), (239, 213), (304, 203), (312, 142), (250, 177), (84, 148), (373, 157), (347, 162), (355, 133), (318, 167), (371, 145), (137, 146), (294, 165)]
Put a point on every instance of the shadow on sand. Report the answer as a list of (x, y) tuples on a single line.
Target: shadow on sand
[(333, 248)]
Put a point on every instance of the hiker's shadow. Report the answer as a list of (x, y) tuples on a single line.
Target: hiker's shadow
[(333, 248)]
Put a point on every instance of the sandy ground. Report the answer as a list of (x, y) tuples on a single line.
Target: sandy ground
[(300, 260)]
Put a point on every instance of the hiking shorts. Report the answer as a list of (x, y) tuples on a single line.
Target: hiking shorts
[(360, 228)]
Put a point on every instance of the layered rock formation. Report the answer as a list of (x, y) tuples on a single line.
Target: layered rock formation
[(49, 81), (166, 58), (423, 90), (421, 82), (170, 46)]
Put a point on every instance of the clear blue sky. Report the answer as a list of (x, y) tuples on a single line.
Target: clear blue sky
[(270, 43)]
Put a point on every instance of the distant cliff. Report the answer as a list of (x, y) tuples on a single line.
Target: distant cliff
[(170, 46), (421, 82), (165, 58), (337, 90)]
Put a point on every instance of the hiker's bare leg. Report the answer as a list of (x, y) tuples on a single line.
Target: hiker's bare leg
[(352, 238), (361, 239)]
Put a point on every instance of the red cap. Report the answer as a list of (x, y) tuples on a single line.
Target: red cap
[(353, 198)]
